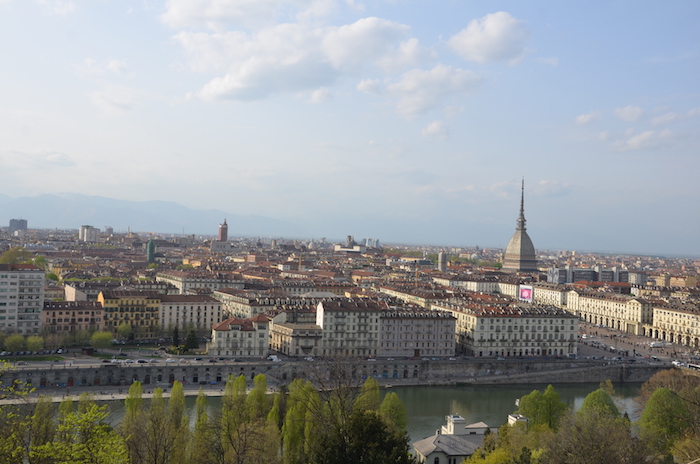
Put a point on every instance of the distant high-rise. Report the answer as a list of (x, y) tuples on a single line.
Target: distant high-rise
[(223, 232), (520, 252), (17, 224), (151, 251), (89, 234), (442, 261)]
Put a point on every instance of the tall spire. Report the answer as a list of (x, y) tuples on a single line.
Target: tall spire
[(521, 218)]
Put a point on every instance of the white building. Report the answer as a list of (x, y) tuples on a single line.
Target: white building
[(240, 337), (350, 327), (198, 312), (89, 234), (21, 298), (453, 443)]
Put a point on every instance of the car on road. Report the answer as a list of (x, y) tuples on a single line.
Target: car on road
[(142, 361), (170, 360)]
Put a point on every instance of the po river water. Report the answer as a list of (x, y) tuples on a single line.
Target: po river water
[(427, 406)]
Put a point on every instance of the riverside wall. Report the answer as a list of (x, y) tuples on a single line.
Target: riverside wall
[(395, 373)]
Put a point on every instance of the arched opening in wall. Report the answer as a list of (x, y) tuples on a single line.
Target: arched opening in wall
[(96, 381), (218, 376), (171, 379), (195, 378), (395, 375), (42, 382), (83, 381), (415, 374), (70, 382), (147, 379), (385, 374), (405, 373), (135, 378)]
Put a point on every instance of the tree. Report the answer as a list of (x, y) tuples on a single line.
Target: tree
[(191, 342), (124, 330), (369, 441), (52, 276), (176, 337), (394, 411), (15, 255), (545, 408), (14, 342), (599, 400), (665, 420), (35, 343), (370, 397), (39, 262), (83, 437), (200, 449), (593, 435), (101, 340)]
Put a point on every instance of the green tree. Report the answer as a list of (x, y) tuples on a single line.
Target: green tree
[(369, 441), (15, 255), (200, 451), (176, 337), (14, 342), (394, 411), (664, 421), (35, 343), (593, 435), (191, 342), (369, 397), (39, 262), (124, 330), (599, 400), (101, 340), (83, 437), (52, 276), (545, 408)]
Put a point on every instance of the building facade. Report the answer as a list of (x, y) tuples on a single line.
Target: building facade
[(139, 310), (21, 298), (240, 337), (197, 312), (63, 317)]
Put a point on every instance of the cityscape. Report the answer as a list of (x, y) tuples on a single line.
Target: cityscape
[(341, 231)]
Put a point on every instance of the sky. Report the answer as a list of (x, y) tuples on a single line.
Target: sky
[(403, 120)]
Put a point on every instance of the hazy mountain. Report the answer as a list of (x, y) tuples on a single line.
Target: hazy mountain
[(70, 211)]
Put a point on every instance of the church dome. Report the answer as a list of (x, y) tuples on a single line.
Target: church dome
[(520, 252)]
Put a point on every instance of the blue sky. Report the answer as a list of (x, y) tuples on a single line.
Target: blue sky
[(407, 121)]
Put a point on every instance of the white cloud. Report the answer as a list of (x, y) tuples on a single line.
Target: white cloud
[(59, 159), (353, 45), (321, 95), (551, 188), (114, 99), (215, 14), (629, 113), (92, 67), (409, 53), (495, 37), (57, 7), (667, 118), (694, 112), (293, 57), (371, 86), (436, 129), (551, 61), (584, 119), (419, 91), (647, 140)]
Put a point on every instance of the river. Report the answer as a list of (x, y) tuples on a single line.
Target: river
[(427, 406)]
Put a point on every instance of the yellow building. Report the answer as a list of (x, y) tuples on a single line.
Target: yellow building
[(140, 310)]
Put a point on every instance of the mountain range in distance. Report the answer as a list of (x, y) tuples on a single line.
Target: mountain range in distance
[(70, 211)]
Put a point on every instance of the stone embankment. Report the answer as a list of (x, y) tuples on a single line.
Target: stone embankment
[(388, 372)]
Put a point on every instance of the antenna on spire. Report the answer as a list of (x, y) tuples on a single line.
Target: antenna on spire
[(521, 218)]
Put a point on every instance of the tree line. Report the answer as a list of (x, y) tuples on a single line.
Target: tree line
[(301, 424), (667, 431)]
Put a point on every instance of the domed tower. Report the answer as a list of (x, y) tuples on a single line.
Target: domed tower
[(520, 252)]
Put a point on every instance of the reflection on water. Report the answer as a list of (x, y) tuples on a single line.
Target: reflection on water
[(428, 406)]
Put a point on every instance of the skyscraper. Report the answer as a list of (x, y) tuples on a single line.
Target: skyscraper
[(223, 232), (17, 224), (520, 252)]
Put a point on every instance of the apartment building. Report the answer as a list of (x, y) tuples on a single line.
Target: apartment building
[(240, 337), (350, 326), (416, 332), (64, 317), (140, 310), (21, 298), (198, 312), (507, 328), (185, 281), (675, 322), (621, 312)]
